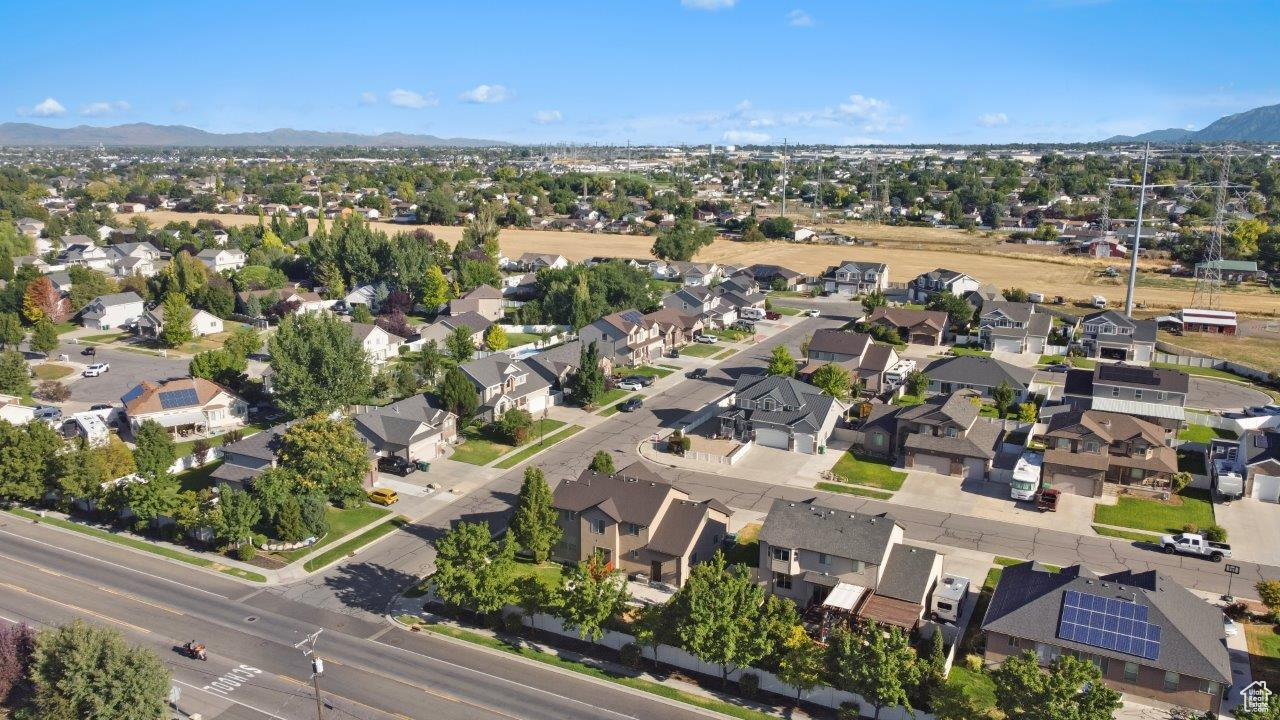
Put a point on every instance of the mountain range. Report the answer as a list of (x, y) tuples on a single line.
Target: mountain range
[(1257, 125), (146, 134)]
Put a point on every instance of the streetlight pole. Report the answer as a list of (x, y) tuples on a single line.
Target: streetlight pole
[(308, 647)]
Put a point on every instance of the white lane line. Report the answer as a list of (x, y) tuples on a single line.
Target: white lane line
[(231, 700)]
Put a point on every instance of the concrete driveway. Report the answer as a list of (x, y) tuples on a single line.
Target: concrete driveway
[(1213, 394), (1253, 528), (986, 499)]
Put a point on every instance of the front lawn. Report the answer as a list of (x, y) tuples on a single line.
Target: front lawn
[(906, 399), (700, 350), (868, 471), (534, 447), (197, 479), (975, 352), (104, 338), (548, 572), (1264, 651), (730, 334), (354, 544), (1155, 516), (613, 409), (342, 521), (1127, 534), (611, 396), (482, 445), (50, 371), (784, 310), (1204, 434), (645, 371), (847, 489)]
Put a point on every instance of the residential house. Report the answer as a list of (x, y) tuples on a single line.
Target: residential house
[(866, 360), (108, 312), (639, 522), (1232, 271), (1255, 459), (222, 259), (1153, 394), (533, 262), (1014, 327), (135, 258), (1149, 636), (30, 227), (780, 412), (923, 287), (485, 301), (943, 435), (676, 328), (379, 345), (704, 303), (151, 324), (503, 383), (626, 337), (14, 412), (696, 274), (982, 374), (85, 252), (363, 295), (245, 459), (187, 406), (1110, 335), (1091, 450), (776, 277), (854, 278), (412, 428), (556, 364), (849, 563), (919, 327)]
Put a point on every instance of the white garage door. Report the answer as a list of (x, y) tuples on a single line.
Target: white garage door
[(933, 463), (975, 469), (772, 438), (1266, 487), (1013, 345), (804, 444)]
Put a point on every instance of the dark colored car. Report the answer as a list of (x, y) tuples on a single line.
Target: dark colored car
[(91, 351), (696, 374), (771, 315), (395, 465), (631, 405), (644, 380), (1058, 368)]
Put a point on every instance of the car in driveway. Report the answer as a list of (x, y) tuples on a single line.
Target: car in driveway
[(696, 374), (631, 405), (97, 369), (395, 465), (644, 380), (384, 496), (47, 412), (1057, 368), (771, 315), (706, 339), (629, 384)]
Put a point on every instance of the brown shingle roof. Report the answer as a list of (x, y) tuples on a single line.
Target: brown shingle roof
[(148, 400)]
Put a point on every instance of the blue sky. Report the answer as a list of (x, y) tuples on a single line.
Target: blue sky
[(649, 71)]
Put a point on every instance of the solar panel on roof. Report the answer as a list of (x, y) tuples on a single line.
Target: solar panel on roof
[(131, 395), (1108, 623), (178, 398), (1138, 376), (632, 316)]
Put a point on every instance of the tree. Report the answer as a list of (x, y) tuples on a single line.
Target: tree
[(1027, 412), (875, 664), (718, 609), (872, 300), (588, 382), (778, 228), (652, 627), (26, 459), (473, 570), (602, 463), (155, 452), (238, 513), (1269, 593), (803, 664), (177, 320), (156, 497), (1270, 712), (1072, 688), (87, 284), (317, 364), (435, 288), (957, 308), (683, 240), (917, 382), (44, 337), (534, 525), (328, 456), (514, 425), (41, 300), (15, 375), (495, 338), (289, 526), (87, 671), (781, 362), (80, 474), (11, 332), (591, 594), (1014, 294), (458, 395), (932, 675), (243, 342), (17, 644), (404, 379), (1002, 395), (362, 314), (430, 361), (220, 366), (460, 345), (833, 380)]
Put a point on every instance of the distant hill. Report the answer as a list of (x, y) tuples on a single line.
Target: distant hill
[(1257, 125), (146, 134)]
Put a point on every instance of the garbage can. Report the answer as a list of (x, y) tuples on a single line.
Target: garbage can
[(424, 466), (822, 449)]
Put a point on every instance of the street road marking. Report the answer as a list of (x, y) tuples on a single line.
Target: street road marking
[(86, 582), (233, 700), (77, 608), (139, 600), (232, 679)]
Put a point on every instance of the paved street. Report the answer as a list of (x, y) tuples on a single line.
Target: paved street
[(127, 370), (1212, 394)]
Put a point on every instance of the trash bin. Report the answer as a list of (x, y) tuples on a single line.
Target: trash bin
[(822, 449), (424, 466)]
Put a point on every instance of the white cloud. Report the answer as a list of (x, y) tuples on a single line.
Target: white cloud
[(993, 119), (368, 98), (486, 94), (410, 99), (546, 117), (45, 108), (874, 114), (745, 136), (99, 109), (708, 4), (799, 18)]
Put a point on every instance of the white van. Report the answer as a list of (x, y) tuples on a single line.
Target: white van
[(1035, 297), (1099, 302), (751, 313)]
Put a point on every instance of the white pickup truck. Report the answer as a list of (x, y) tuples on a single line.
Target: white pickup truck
[(1192, 544)]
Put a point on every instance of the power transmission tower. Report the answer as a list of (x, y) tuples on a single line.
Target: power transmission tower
[(1137, 234), (875, 180), (1209, 272)]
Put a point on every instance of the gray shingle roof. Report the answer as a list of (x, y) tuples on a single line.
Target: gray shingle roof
[(839, 342), (801, 405), (827, 530), (979, 372), (401, 423), (907, 573)]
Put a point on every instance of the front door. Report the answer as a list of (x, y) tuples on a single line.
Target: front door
[(655, 571)]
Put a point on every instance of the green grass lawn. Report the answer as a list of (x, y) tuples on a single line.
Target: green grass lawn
[(848, 489), (1204, 434), (784, 310), (724, 354), (1083, 363), (1155, 516), (1191, 461), (354, 544), (1051, 359), (534, 447), (746, 548), (342, 521), (730, 335), (1126, 534), (906, 399), (50, 371), (612, 396), (104, 338), (645, 371), (699, 350), (548, 572), (197, 479), (976, 685), (613, 409), (516, 339), (183, 449), (975, 352), (482, 446), (66, 327), (868, 471), (1264, 651)]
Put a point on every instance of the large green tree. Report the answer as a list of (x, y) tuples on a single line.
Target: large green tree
[(473, 570), (317, 364), (781, 362), (155, 451), (877, 664), (84, 671), (11, 332), (534, 524), (44, 336), (26, 459), (220, 366), (1072, 689), (460, 345), (238, 513), (683, 240), (602, 462), (833, 380), (719, 611), (591, 594), (803, 663), (15, 375), (588, 380), (328, 456), (458, 395), (178, 314)]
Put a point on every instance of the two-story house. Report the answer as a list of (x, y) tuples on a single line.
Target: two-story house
[(484, 300), (1157, 395), (696, 274), (973, 372), (412, 428), (923, 287), (1088, 451), (222, 259), (379, 345), (1014, 327), (945, 435), (557, 363), (1110, 335), (135, 258), (108, 312), (677, 328), (1248, 466), (918, 327), (639, 522), (83, 251), (866, 361), (503, 383), (780, 412), (852, 278), (1149, 636), (626, 337), (711, 308), (850, 564), (777, 277)]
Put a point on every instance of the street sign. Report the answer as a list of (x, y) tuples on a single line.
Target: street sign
[(1231, 569)]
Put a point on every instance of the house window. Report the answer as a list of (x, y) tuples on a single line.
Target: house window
[(1091, 446), (1209, 687), (782, 581), (768, 404), (597, 526), (824, 559), (781, 553), (1161, 395), (1115, 392), (1135, 473), (633, 529), (1171, 681), (877, 439), (951, 432), (1013, 642), (1137, 394), (1131, 672)]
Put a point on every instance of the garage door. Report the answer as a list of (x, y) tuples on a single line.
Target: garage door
[(922, 339), (975, 469), (772, 438), (1266, 487), (1012, 345), (933, 463), (1073, 484), (804, 444)]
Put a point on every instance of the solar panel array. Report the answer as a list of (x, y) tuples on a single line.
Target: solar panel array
[(632, 316), (132, 394), (1125, 373), (1108, 623), (178, 398)]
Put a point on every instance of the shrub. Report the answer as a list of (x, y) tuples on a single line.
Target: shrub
[(1191, 528), (973, 662), (201, 450), (496, 621), (512, 623), (1238, 610), (849, 711), (749, 685), (631, 655), (1215, 533), (53, 391), (1181, 480), (246, 552)]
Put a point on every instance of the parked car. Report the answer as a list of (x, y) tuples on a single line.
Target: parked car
[(102, 406), (1057, 368), (745, 326), (644, 380), (811, 313), (771, 315), (395, 465), (91, 351), (706, 339), (1262, 410), (696, 374), (629, 384), (383, 496), (47, 412), (1193, 544), (97, 369), (631, 405)]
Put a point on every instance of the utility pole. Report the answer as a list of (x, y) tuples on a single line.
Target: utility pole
[(308, 647), (784, 177), (1137, 234)]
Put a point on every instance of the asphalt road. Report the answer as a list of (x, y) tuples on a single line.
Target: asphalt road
[(127, 370), (372, 669)]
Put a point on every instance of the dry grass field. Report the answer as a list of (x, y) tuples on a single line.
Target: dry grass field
[(908, 251), (1259, 351)]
